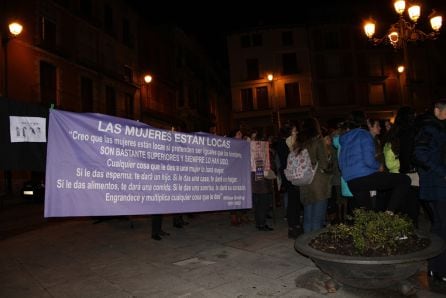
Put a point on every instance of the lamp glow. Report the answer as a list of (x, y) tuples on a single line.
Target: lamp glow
[(147, 79), (414, 12), (15, 28), (436, 22), (400, 68), (369, 29), (393, 37), (399, 5)]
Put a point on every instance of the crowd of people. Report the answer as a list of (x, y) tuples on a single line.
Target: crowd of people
[(397, 167), (374, 164)]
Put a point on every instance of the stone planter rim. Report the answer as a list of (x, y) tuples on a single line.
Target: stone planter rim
[(302, 246)]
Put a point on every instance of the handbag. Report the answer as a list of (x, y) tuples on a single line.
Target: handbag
[(414, 179), (270, 175)]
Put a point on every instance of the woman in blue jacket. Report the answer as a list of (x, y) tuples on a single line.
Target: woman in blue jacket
[(361, 170)]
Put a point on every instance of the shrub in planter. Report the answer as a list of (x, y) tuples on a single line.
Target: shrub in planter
[(371, 234), (378, 250)]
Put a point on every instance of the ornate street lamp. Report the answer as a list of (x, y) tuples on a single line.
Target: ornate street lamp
[(403, 31)]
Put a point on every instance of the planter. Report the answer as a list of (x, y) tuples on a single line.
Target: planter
[(368, 272)]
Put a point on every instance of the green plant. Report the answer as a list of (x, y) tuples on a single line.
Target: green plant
[(372, 231)]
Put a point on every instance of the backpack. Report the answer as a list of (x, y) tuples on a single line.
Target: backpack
[(299, 170)]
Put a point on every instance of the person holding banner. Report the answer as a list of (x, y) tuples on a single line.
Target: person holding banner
[(238, 216), (262, 188)]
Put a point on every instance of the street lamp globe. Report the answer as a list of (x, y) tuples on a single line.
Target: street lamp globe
[(399, 5), (414, 12), (15, 28), (369, 28), (436, 21), (393, 37), (147, 79), (400, 68), (270, 77)]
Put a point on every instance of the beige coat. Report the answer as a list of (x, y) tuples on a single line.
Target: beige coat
[(320, 188)]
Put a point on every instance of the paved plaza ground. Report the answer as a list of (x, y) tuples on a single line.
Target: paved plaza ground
[(84, 257)]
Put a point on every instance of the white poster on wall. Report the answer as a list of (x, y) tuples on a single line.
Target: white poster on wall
[(27, 129)]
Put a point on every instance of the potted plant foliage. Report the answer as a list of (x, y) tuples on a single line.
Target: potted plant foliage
[(377, 250)]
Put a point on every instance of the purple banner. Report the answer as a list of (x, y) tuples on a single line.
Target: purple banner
[(102, 165)]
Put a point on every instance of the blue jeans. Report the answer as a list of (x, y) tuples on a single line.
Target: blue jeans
[(314, 216)]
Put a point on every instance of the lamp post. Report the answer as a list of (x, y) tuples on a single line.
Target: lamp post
[(403, 32), (275, 113), (15, 29), (400, 69), (147, 80)]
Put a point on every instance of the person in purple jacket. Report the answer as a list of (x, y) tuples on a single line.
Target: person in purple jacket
[(361, 169)]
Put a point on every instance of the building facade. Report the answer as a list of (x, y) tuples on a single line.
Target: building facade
[(326, 71), (270, 76), (92, 56)]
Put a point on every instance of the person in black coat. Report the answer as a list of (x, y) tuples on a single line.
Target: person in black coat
[(430, 158)]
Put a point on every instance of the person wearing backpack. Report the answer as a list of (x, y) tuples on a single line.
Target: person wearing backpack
[(315, 195), (291, 192)]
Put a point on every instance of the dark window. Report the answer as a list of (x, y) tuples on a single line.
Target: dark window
[(375, 66), (331, 40), (86, 94), (252, 68), (48, 33), (48, 90), (109, 21), (292, 95), (245, 41), (287, 38), (85, 8), (128, 105), (257, 40), (128, 74), (289, 63), (336, 93), (110, 100), (377, 94), (126, 33), (321, 66), (247, 100), (262, 98)]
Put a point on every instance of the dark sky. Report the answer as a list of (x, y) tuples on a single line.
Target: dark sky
[(213, 20)]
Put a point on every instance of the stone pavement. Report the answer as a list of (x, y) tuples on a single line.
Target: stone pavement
[(78, 257)]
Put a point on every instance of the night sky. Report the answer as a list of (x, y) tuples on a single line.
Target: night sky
[(211, 22)]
